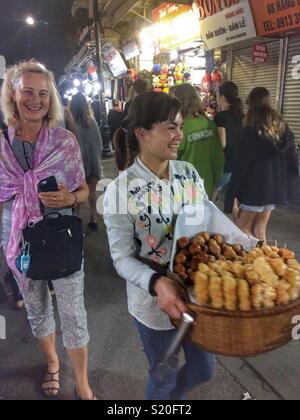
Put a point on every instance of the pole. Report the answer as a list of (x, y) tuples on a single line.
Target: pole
[(48, 44), (105, 132)]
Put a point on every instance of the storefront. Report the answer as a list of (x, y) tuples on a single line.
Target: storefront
[(282, 19), (248, 72), (291, 99)]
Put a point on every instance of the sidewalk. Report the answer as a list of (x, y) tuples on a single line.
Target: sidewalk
[(117, 363)]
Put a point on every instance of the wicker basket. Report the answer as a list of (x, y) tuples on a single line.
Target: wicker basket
[(243, 334)]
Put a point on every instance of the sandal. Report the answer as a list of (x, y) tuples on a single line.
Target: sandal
[(48, 386)]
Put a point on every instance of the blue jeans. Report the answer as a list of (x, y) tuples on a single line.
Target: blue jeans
[(199, 366)]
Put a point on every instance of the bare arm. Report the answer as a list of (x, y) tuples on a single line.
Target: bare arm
[(63, 198), (223, 136)]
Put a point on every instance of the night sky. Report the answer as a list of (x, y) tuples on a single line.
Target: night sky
[(49, 44)]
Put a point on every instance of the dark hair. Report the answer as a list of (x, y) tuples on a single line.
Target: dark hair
[(139, 87), (81, 110), (230, 92), (190, 100), (261, 116), (146, 110)]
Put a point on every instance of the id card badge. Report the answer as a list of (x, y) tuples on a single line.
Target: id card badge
[(25, 258), (25, 263)]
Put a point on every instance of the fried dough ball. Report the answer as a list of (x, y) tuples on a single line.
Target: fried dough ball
[(203, 268), (238, 249), (252, 277), (293, 264), (199, 239), (181, 271), (229, 253), (244, 296), (258, 251), (183, 243), (216, 293), (214, 248), (218, 238), (237, 269), (275, 249), (269, 296), (257, 296), (283, 293), (201, 288), (286, 254), (267, 250), (293, 278), (230, 293), (195, 249), (206, 236), (181, 258), (278, 266)]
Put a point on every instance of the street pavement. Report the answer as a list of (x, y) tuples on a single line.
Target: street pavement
[(117, 365)]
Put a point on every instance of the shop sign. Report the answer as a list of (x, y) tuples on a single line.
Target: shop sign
[(114, 61), (131, 50), (275, 16), (175, 24), (224, 22), (260, 53)]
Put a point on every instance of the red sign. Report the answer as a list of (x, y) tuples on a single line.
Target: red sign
[(163, 10), (275, 16), (260, 53)]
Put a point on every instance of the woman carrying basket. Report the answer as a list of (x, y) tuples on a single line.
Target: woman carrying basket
[(140, 214)]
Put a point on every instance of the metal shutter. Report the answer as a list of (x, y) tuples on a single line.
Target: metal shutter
[(291, 102), (248, 75)]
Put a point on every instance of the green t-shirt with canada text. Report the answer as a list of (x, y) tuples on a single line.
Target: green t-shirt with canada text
[(202, 147)]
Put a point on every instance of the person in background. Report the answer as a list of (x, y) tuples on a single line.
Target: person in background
[(229, 122), (36, 149), (8, 277), (201, 145), (265, 162), (139, 87), (91, 146), (115, 117), (154, 131)]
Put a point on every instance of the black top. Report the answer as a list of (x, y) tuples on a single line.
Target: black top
[(233, 126), (262, 169), (115, 119), (126, 109)]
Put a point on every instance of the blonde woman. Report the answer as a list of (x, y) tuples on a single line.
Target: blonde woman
[(265, 162), (34, 150)]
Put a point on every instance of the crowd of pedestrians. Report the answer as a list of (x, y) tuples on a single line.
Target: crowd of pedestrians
[(160, 140)]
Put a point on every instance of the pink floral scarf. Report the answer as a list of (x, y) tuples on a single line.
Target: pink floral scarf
[(57, 153)]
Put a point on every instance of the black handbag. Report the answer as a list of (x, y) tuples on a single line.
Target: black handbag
[(55, 246)]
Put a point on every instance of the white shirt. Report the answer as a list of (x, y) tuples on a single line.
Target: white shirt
[(140, 213)]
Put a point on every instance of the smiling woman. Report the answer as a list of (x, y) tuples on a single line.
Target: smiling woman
[(31, 86), (35, 149)]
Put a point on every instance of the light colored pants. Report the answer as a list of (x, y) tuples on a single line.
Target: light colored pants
[(69, 292)]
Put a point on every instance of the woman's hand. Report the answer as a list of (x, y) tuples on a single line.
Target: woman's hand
[(170, 298), (58, 199)]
